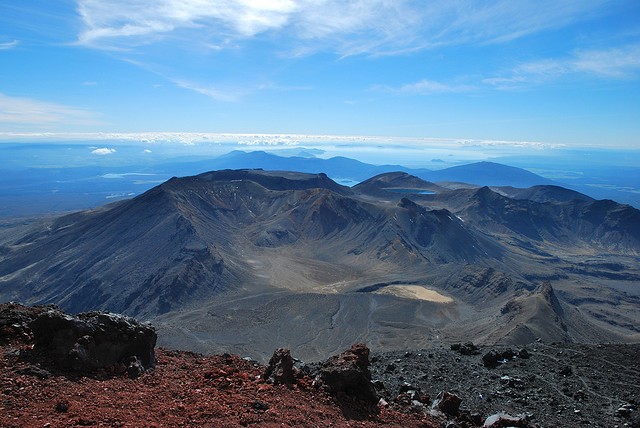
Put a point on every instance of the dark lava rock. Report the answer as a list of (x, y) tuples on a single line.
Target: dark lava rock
[(447, 403), (465, 348), (15, 319), (260, 406), (280, 370), (491, 358), (508, 354), (524, 354), (624, 410), (530, 388), (135, 368), (92, 340), (349, 373), (35, 371)]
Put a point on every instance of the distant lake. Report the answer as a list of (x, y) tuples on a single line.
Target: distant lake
[(412, 191), (346, 181)]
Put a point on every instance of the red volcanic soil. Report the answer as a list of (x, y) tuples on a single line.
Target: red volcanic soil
[(184, 390)]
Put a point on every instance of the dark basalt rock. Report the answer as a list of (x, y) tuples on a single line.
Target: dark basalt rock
[(447, 403), (465, 348), (280, 370), (93, 340), (348, 373), (15, 319), (491, 358)]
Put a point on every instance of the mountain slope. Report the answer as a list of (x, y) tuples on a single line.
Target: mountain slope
[(219, 257)]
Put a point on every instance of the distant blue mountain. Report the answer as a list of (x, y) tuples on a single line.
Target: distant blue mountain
[(480, 173), (489, 174), (336, 167), (35, 191)]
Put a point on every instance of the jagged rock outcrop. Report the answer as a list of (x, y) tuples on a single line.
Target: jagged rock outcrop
[(15, 319), (348, 373), (94, 340), (280, 370)]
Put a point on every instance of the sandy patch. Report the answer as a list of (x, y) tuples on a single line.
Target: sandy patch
[(415, 292)]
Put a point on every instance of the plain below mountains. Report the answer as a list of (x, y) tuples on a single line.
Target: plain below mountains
[(240, 260)]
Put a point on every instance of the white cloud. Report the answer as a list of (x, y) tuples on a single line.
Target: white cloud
[(425, 87), (8, 45), (141, 21), (18, 111), (150, 139), (103, 151), (346, 27), (614, 63)]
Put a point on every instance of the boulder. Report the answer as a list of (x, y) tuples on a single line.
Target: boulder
[(465, 348), (93, 340), (280, 370), (348, 373), (448, 403), (508, 354), (491, 358)]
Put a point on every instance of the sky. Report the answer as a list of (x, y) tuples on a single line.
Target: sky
[(556, 72)]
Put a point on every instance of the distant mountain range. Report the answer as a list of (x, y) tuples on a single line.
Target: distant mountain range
[(38, 191), (480, 173), (241, 259)]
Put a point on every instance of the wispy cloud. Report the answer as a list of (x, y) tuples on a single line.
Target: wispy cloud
[(8, 45), (139, 30), (140, 22), (424, 87), (618, 63), (345, 27), (614, 63), (209, 90), (18, 111)]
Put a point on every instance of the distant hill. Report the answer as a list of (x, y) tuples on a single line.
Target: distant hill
[(544, 194), (487, 174)]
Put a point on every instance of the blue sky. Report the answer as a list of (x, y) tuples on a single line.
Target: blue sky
[(556, 72)]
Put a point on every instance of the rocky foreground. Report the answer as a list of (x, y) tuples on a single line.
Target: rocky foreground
[(101, 369)]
